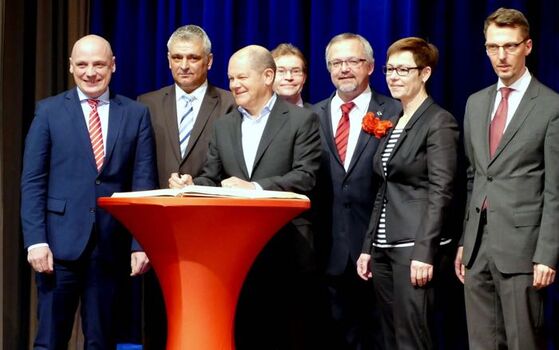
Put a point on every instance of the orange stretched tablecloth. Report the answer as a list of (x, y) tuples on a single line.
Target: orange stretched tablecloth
[(201, 250)]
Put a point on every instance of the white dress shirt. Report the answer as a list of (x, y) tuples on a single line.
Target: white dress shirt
[(519, 88), (355, 119), (196, 96)]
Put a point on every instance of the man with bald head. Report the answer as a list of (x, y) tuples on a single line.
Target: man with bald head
[(83, 144), (266, 144)]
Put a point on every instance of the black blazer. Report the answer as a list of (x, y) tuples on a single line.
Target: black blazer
[(343, 201), (418, 186)]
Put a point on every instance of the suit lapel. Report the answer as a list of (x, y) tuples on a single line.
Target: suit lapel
[(169, 108), (116, 118), (237, 140), (206, 108), (276, 120), (526, 105), (409, 125), (364, 139), (79, 125)]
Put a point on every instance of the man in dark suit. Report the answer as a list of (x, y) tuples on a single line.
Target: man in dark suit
[(265, 144), (346, 190), (83, 144), (510, 240), (190, 58)]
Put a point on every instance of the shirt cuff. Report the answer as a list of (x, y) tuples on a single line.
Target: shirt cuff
[(38, 245), (257, 186)]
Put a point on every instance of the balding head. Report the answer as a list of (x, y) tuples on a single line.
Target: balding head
[(251, 76), (92, 64)]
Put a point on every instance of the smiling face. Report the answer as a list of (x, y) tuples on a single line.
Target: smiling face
[(349, 81), (189, 63), (405, 88), (250, 87), (92, 64), (290, 77), (509, 66)]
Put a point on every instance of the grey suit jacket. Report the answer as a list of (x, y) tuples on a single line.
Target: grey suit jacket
[(418, 185), (521, 181), (288, 154), (163, 111)]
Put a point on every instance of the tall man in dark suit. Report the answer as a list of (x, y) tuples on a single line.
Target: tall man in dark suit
[(190, 58), (346, 189), (181, 147), (265, 144), (510, 240), (83, 144)]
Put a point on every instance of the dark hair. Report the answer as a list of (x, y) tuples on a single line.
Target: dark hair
[(504, 17), (424, 54)]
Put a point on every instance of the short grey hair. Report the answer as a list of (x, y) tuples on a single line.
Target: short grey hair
[(188, 33), (351, 36)]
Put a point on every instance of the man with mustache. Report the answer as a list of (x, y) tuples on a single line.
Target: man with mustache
[(346, 189)]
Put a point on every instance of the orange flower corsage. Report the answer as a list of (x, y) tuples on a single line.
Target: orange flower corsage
[(374, 125)]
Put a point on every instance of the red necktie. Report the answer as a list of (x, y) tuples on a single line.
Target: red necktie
[(499, 121), (95, 134), (342, 132)]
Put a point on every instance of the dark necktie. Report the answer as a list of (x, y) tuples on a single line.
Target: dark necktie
[(95, 134), (499, 121), (342, 132)]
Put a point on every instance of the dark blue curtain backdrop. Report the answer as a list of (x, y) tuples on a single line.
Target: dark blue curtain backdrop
[(139, 29)]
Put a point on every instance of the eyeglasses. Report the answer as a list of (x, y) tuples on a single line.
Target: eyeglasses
[(295, 71), (350, 62), (401, 71), (493, 49)]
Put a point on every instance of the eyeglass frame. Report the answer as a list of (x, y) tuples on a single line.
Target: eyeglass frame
[(299, 73), (493, 49), (399, 70), (352, 62)]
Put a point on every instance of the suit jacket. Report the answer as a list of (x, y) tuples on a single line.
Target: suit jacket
[(287, 158), (521, 181), (418, 186), (343, 201), (163, 111), (60, 183)]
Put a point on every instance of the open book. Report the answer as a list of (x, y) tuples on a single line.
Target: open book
[(208, 191)]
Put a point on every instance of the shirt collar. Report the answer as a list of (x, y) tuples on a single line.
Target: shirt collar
[(361, 101), (265, 111), (521, 85), (103, 99), (197, 94)]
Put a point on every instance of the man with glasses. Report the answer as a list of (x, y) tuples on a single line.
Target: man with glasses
[(510, 241), (346, 189), (291, 73)]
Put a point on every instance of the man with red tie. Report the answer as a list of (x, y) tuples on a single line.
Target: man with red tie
[(346, 189), (510, 244), (83, 144)]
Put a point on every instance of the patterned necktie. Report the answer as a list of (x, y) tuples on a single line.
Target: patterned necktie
[(342, 132), (499, 121), (96, 134), (186, 124)]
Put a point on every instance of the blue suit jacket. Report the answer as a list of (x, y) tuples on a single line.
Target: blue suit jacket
[(60, 183), (344, 200)]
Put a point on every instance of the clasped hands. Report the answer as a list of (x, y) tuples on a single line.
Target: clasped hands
[(179, 181)]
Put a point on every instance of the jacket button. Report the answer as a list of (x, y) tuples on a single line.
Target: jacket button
[(97, 182), (477, 210), (92, 210), (490, 178)]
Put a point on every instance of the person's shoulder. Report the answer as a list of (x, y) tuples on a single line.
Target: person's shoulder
[(156, 93), (225, 96), (320, 106), (545, 90), (128, 103), (57, 101)]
